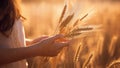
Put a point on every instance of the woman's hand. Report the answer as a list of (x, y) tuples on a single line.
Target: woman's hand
[(50, 46), (30, 42)]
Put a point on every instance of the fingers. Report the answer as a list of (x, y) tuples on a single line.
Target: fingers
[(63, 44), (60, 46), (42, 38), (59, 36), (39, 39)]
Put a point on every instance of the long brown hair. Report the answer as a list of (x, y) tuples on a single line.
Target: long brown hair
[(9, 12)]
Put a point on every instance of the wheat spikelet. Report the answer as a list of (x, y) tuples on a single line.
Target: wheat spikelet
[(82, 29), (63, 13), (75, 25), (78, 31), (66, 22)]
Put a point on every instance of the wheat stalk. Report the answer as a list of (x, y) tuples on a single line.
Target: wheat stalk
[(87, 61), (77, 54)]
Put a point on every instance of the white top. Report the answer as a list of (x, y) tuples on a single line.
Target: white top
[(16, 39)]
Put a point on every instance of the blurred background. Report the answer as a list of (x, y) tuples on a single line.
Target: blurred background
[(44, 14), (42, 17)]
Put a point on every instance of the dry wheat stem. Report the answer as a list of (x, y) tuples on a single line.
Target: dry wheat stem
[(77, 54), (87, 61)]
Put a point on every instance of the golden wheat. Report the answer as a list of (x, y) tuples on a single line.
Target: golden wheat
[(63, 13), (105, 52), (76, 58), (66, 22)]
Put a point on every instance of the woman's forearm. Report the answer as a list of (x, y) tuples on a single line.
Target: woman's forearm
[(47, 47), (8, 55)]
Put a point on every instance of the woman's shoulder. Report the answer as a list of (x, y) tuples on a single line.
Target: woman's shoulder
[(18, 25)]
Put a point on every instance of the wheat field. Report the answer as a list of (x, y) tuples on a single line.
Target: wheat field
[(93, 25)]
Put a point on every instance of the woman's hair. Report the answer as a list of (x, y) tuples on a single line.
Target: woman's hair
[(9, 13)]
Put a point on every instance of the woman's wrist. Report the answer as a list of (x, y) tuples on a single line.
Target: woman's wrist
[(34, 50)]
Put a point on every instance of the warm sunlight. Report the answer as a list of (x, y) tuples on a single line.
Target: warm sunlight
[(97, 46), (93, 25)]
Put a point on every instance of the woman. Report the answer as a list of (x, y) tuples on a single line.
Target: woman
[(12, 40)]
